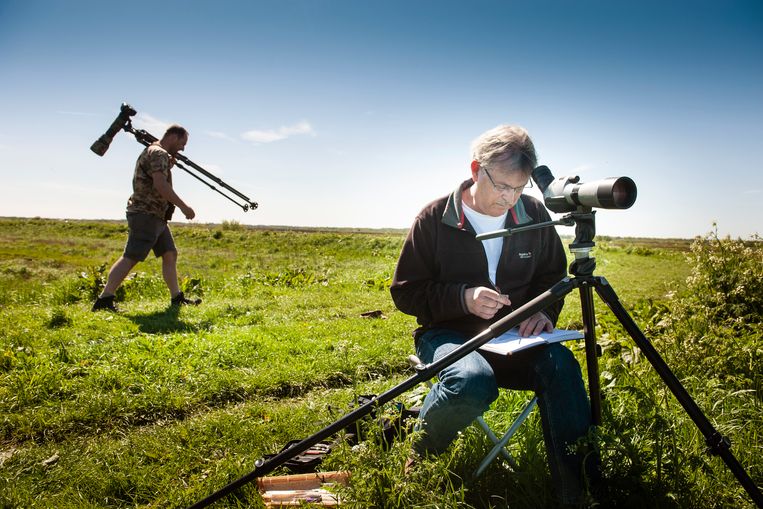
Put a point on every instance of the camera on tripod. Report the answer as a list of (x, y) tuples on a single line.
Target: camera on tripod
[(102, 144)]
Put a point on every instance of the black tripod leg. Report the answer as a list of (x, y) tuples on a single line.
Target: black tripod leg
[(558, 291), (591, 351), (717, 443)]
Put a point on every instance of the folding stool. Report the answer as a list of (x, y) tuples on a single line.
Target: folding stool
[(499, 446)]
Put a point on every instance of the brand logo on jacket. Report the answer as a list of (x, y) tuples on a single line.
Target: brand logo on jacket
[(525, 255)]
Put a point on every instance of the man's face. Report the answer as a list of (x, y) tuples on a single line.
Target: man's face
[(176, 143), (497, 188)]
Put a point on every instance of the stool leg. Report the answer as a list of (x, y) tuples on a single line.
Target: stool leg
[(494, 439), (500, 444)]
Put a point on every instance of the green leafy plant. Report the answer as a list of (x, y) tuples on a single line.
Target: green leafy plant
[(192, 285), (380, 282), (92, 281)]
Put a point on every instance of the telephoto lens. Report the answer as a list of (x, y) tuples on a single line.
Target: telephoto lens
[(101, 145)]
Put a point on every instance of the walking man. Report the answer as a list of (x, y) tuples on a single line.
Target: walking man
[(149, 208)]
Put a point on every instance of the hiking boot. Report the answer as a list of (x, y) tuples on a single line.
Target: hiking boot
[(106, 303), (180, 300)]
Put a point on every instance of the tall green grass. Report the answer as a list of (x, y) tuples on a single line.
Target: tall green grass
[(158, 407)]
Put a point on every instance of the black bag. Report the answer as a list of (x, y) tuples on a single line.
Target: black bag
[(309, 460), (168, 213), (392, 427)]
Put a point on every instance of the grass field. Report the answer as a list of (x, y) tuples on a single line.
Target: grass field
[(159, 406)]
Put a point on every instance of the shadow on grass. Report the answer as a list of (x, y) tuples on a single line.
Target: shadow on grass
[(162, 321)]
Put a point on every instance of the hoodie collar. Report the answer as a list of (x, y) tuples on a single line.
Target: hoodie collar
[(453, 215)]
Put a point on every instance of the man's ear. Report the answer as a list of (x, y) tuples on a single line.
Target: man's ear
[(475, 169)]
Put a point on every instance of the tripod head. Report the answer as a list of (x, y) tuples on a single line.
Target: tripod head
[(569, 194), (585, 230)]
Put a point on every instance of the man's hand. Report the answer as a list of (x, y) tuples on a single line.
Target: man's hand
[(165, 190), (536, 324), (485, 302), (188, 212)]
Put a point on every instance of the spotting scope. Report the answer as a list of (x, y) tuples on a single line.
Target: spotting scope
[(568, 194)]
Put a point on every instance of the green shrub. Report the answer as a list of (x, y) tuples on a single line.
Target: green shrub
[(726, 284), (231, 225), (714, 329), (192, 285), (379, 282), (91, 282), (289, 278)]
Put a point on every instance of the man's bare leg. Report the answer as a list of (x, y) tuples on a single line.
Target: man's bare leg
[(117, 274)]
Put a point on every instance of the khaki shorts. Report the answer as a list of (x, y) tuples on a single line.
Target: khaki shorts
[(147, 232)]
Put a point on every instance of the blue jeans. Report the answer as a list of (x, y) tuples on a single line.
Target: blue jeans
[(466, 388)]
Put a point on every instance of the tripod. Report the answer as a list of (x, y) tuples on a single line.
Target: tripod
[(582, 269), (145, 138)]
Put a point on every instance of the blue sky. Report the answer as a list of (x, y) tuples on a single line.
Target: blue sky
[(356, 114)]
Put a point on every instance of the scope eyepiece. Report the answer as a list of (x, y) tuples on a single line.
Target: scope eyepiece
[(566, 194)]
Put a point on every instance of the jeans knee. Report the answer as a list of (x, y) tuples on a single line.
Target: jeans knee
[(476, 388)]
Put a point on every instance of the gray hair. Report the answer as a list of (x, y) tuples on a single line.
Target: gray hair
[(506, 144)]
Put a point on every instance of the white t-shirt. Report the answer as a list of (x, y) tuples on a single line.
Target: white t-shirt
[(482, 224)]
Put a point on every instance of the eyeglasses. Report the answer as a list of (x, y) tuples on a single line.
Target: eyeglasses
[(501, 188)]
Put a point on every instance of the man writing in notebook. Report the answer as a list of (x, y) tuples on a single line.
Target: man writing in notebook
[(456, 286)]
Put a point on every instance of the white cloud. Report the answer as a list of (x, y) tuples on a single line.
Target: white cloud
[(281, 133), (151, 124), (220, 135)]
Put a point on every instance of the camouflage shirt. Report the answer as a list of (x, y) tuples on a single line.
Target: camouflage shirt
[(145, 198)]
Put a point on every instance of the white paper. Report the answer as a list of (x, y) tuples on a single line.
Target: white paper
[(510, 341)]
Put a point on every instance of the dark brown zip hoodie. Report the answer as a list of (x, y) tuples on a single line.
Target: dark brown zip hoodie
[(441, 258)]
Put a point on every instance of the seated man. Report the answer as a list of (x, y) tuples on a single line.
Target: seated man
[(456, 286)]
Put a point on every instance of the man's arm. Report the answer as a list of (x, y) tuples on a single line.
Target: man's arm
[(415, 287), (165, 190)]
